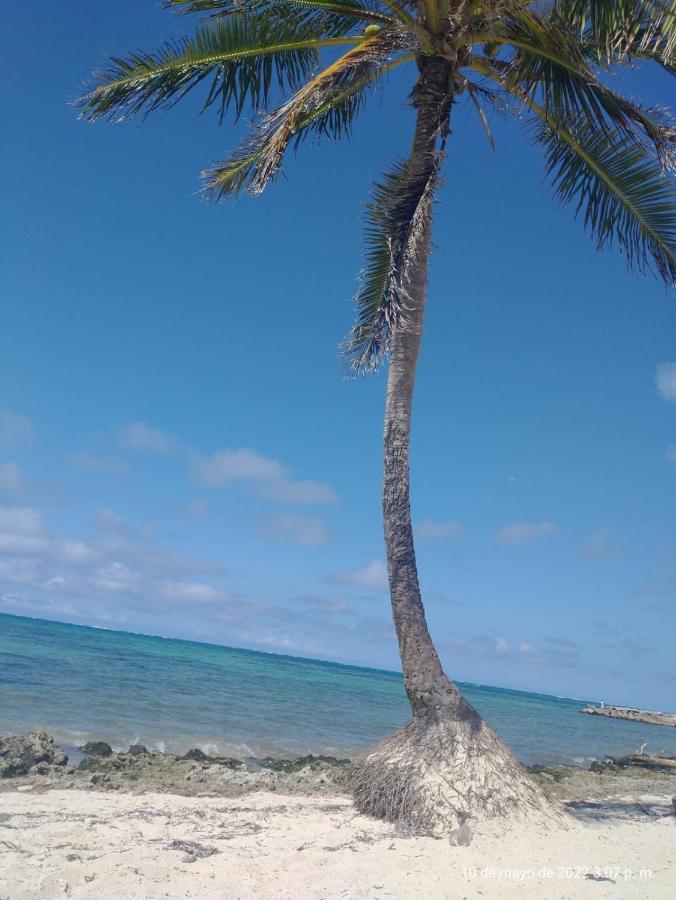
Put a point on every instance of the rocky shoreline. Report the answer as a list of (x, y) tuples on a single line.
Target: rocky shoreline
[(647, 716), (41, 763), (35, 762)]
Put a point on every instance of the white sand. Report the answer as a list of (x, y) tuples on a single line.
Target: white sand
[(109, 845)]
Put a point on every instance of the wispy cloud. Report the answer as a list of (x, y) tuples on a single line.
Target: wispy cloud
[(118, 564), (670, 455), (95, 462), (501, 646), (110, 522), (497, 647), (602, 546), (637, 648), (434, 531), (665, 379), (192, 592), (373, 577), (144, 438), (16, 431), (10, 477), (519, 533), (306, 531), (265, 477), (23, 534)]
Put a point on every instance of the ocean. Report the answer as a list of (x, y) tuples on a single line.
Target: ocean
[(81, 683)]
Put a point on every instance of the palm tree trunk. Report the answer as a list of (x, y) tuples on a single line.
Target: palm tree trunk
[(446, 767), (426, 684)]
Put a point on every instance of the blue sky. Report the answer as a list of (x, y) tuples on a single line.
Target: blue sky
[(180, 453)]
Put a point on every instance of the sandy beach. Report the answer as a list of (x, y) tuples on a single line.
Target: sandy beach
[(153, 825), (98, 844)]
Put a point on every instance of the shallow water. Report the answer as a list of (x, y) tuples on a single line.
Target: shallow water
[(82, 683)]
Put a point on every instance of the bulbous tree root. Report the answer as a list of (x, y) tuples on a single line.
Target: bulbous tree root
[(440, 775)]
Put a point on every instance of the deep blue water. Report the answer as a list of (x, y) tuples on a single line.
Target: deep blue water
[(82, 683)]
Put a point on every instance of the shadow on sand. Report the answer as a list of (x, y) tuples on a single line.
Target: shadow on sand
[(608, 810)]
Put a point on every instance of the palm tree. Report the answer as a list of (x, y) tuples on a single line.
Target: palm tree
[(307, 68)]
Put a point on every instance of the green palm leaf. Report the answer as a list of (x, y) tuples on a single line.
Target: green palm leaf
[(242, 55), (326, 106), (620, 191), (617, 28), (551, 65), (347, 8)]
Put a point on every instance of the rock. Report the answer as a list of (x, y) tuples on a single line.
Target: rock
[(100, 778), (303, 762), (648, 716), (550, 773), (603, 765), (137, 750), (97, 748), (195, 754), (673, 803), (20, 753)]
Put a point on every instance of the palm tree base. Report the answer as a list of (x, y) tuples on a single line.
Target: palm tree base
[(442, 776)]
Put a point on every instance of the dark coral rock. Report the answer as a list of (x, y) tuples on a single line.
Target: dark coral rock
[(20, 753), (137, 750), (97, 748), (195, 754)]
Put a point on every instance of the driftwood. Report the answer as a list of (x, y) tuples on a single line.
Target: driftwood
[(649, 762), (649, 717), (665, 764)]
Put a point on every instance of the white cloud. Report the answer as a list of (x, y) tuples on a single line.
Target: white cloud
[(670, 455), (222, 469), (21, 520), (116, 578), (143, 437), (266, 477), (438, 530), (10, 477), (665, 379), (108, 521), (287, 491), (94, 462), (113, 564), (23, 533), (75, 552), (373, 577), (25, 606), (306, 531), (15, 430), (329, 605), (192, 592), (520, 533), (501, 646), (525, 649)]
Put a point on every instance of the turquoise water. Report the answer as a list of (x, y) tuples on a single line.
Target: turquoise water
[(82, 683)]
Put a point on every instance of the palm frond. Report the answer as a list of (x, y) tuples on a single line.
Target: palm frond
[(397, 212), (325, 105), (551, 65), (617, 28), (472, 91), (242, 55), (619, 190), (333, 118), (349, 8)]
